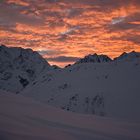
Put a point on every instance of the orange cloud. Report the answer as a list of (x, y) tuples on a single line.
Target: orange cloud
[(71, 29), (18, 2)]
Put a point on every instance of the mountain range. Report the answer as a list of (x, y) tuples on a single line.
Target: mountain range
[(96, 98), (95, 84)]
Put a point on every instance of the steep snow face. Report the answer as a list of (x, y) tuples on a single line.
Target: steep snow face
[(25, 119), (106, 89), (94, 59), (18, 67)]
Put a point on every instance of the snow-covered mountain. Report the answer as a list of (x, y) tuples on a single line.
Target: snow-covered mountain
[(18, 67), (107, 89), (93, 85), (22, 118)]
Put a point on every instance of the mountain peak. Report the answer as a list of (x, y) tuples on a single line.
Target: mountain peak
[(94, 58), (128, 56)]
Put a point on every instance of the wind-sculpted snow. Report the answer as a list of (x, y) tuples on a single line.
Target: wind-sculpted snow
[(22, 118)]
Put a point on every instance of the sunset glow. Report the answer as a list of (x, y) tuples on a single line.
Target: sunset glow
[(64, 30)]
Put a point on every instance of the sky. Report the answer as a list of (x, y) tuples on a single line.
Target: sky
[(65, 30)]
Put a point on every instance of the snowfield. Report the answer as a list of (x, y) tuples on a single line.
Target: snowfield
[(106, 89), (22, 118)]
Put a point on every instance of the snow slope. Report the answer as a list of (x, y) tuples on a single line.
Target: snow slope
[(22, 118), (107, 89), (18, 67)]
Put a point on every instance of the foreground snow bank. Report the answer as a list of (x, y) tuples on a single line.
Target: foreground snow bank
[(22, 118)]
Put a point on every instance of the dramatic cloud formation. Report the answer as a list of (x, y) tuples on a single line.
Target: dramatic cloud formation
[(64, 30)]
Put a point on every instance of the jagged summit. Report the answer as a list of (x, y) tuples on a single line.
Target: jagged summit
[(94, 59), (128, 56), (18, 51)]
